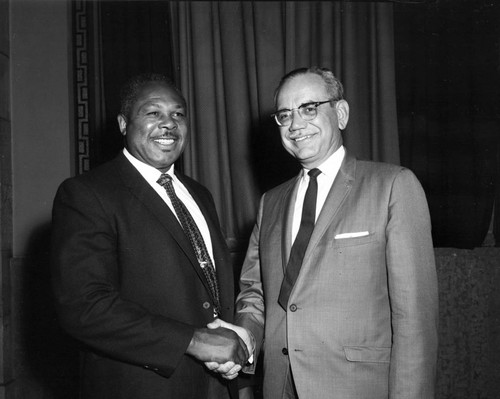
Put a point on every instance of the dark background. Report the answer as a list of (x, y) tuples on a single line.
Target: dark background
[(447, 66)]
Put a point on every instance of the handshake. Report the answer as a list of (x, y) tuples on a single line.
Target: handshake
[(223, 347)]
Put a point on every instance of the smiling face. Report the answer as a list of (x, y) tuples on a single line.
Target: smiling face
[(156, 129), (311, 142)]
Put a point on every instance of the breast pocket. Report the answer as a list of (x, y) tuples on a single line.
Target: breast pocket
[(345, 240)]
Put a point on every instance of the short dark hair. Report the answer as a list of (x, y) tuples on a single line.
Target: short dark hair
[(333, 85), (131, 88)]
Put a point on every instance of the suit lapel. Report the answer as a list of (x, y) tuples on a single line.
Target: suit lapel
[(289, 197), (140, 188), (338, 193)]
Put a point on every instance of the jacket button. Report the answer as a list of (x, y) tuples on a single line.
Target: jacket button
[(206, 305), (284, 351), (293, 307)]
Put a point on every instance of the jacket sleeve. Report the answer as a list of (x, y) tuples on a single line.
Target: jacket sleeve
[(250, 301), (85, 267), (413, 291)]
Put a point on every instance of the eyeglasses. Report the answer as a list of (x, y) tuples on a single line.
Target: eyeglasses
[(307, 112)]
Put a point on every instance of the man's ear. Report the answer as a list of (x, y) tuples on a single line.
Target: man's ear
[(122, 123), (342, 108)]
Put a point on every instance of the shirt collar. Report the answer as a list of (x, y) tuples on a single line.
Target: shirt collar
[(332, 164), (150, 173)]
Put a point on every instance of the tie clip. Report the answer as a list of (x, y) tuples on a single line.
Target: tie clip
[(202, 263)]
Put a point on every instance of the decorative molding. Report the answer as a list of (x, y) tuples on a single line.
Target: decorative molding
[(81, 83)]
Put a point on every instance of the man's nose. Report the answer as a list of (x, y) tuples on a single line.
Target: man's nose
[(297, 121), (168, 122)]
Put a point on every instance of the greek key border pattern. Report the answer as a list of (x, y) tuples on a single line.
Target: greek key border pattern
[(81, 82)]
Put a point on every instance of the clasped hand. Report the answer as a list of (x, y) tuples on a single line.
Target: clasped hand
[(223, 347), (230, 369)]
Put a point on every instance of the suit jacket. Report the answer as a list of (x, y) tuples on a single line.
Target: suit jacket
[(362, 317), (128, 285)]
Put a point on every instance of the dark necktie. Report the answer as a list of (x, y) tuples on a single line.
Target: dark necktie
[(193, 233), (302, 240)]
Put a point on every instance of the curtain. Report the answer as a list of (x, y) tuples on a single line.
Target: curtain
[(112, 41), (447, 58), (229, 57)]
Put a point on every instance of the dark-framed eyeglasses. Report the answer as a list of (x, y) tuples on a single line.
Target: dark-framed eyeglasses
[(307, 112)]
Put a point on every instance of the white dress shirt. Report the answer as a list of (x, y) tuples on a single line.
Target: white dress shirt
[(151, 175), (329, 170)]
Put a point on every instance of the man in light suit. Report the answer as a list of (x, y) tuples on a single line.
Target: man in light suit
[(360, 321), (126, 279)]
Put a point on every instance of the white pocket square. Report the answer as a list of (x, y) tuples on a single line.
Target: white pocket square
[(351, 235)]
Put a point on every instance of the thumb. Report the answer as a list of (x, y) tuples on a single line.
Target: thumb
[(215, 324)]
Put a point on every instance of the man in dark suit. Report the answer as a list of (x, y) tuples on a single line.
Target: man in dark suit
[(127, 281), (358, 317)]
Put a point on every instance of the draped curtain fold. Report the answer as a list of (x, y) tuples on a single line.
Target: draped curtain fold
[(229, 57)]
